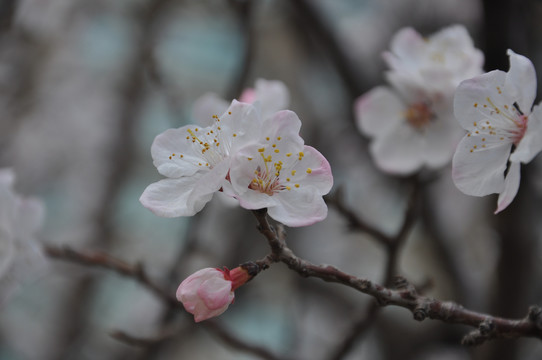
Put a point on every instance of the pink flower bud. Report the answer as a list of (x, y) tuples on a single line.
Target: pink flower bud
[(208, 292)]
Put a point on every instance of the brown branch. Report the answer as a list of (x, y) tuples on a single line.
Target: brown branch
[(103, 260), (405, 295), (136, 272)]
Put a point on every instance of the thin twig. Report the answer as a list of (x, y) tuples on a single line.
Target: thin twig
[(404, 295)]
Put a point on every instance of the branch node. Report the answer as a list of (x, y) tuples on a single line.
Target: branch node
[(420, 312), (406, 290), (486, 330)]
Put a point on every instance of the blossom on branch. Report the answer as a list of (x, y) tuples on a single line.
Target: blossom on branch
[(208, 292), (282, 174), (20, 219), (196, 161), (411, 123), (504, 130)]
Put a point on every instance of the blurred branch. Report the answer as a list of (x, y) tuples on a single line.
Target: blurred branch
[(136, 272), (316, 25), (403, 294), (244, 10), (103, 260)]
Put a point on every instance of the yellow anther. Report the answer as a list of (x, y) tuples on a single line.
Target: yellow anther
[(267, 138), (309, 170), (261, 150), (278, 138), (293, 172), (229, 112), (289, 154), (296, 185), (274, 145), (249, 158), (234, 135), (288, 188), (277, 151), (475, 104)]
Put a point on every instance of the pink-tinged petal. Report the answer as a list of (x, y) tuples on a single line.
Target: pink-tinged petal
[(511, 187), (298, 207), (205, 294), (216, 293), (248, 96), (471, 100), (400, 150), (173, 141), (406, 49), (378, 110), (520, 83), (531, 143), (313, 170), (206, 106), (272, 94), (480, 172)]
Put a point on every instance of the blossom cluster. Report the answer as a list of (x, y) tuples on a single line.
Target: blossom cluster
[(254, 156), (411, 122)]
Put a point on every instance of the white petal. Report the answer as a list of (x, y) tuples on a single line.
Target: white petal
[(406, 49), (7, 252), (400, 150), (511, 186), (378, 110), (298, 207), (472, 94), (531, 144), (273, 96), (173, 141), (184, 196), (244, 120), (206, 106), (520, 82), (441, 139), (480, 172)]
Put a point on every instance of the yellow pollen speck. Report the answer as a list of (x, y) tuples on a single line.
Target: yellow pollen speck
[(287, 179), (485, 105), (487, 122), (199, 164), (181, 156), (471, 150), (483, 139), (506, 107), (502, 138), (217, 144), (475, 147), (475, 104), (277, 151), (293, 172), (309, 170), (249, 158), (296, 185), (219, 128), (274, 145), (196, 129), (267, 138), (278, 138), (289, 154), (188, 137), (288, 188), (234, 135), (475, 124), (229, 112), (170, 158), (468, 135), (484, 145), (477, 132), (261, 150)]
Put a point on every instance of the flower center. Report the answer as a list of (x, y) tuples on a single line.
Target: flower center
[(418, 115)]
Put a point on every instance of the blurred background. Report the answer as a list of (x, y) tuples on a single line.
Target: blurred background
[(86, 85)]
